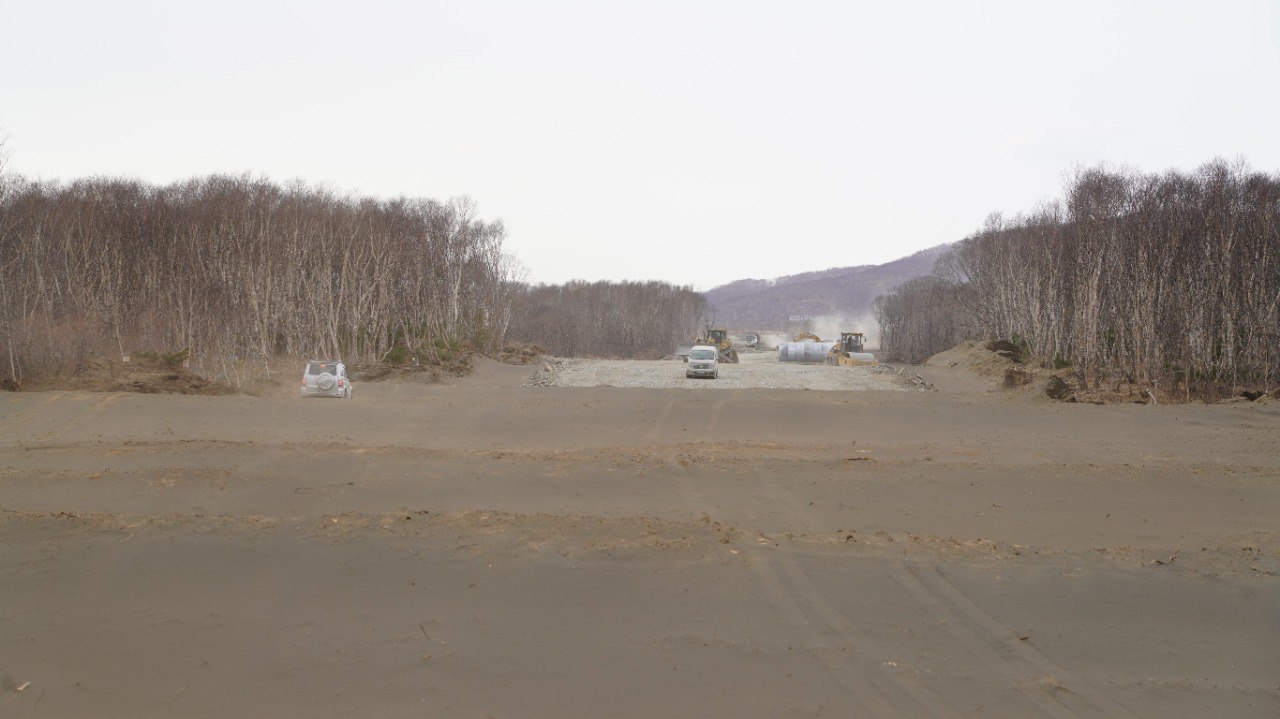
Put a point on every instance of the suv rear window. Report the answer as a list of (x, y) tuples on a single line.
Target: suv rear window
[(322, 367)]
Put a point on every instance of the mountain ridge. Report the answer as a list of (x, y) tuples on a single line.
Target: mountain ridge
[(834, 292)]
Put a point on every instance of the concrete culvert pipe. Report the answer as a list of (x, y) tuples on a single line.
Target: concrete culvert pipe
[(804, 351)]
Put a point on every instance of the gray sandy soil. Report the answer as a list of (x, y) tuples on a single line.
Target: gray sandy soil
[(479, 548)]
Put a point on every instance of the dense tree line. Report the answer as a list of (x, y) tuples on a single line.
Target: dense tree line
[(607, 319), (922, 317), (1170, 279), (240, 267)]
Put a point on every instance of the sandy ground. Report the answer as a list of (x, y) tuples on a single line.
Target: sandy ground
[(756, 370), (479, 548)]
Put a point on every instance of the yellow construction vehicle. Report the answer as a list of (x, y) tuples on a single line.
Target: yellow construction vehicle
[(719, 339), (808, 336), (850, 351)]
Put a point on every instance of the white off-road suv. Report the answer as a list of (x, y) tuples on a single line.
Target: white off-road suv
[(326, 378)]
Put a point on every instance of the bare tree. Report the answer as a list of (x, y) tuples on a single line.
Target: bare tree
[(1171, 280), (240, 267), (607, 319)]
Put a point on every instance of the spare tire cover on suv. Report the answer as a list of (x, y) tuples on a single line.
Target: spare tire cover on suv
[(325, 381)]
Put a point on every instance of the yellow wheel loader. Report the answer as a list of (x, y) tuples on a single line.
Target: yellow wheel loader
[(850, 351), (717, 338)]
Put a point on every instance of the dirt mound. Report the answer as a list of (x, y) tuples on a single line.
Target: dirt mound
[(993, 366), (381, 372), (972, 357), (1057, 388), (147, 374), (457, 364), (520, 353), (904, 377), (1016, 377), (1008, 350), (1269, 402)]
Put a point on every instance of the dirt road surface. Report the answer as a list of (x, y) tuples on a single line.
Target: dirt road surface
[(480, 548)]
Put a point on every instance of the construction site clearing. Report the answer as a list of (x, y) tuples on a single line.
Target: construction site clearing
[(849, 350), (565, 540), (753, 370)]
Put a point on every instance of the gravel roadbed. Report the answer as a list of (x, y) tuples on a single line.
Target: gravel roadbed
[(756, 371)]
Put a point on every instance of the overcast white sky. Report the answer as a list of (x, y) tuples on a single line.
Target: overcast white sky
[(697, 142)]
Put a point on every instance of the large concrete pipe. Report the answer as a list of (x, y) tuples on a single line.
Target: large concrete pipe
[(804, 351)]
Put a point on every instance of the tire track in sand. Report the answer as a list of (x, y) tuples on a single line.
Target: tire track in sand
[(35, 406), (717, 411), (92, 412), (886, 692), (1055, 690), (831, 649), (652, 435), (1050, 688)]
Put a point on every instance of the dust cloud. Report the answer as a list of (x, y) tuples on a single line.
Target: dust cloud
[(829, 327)]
